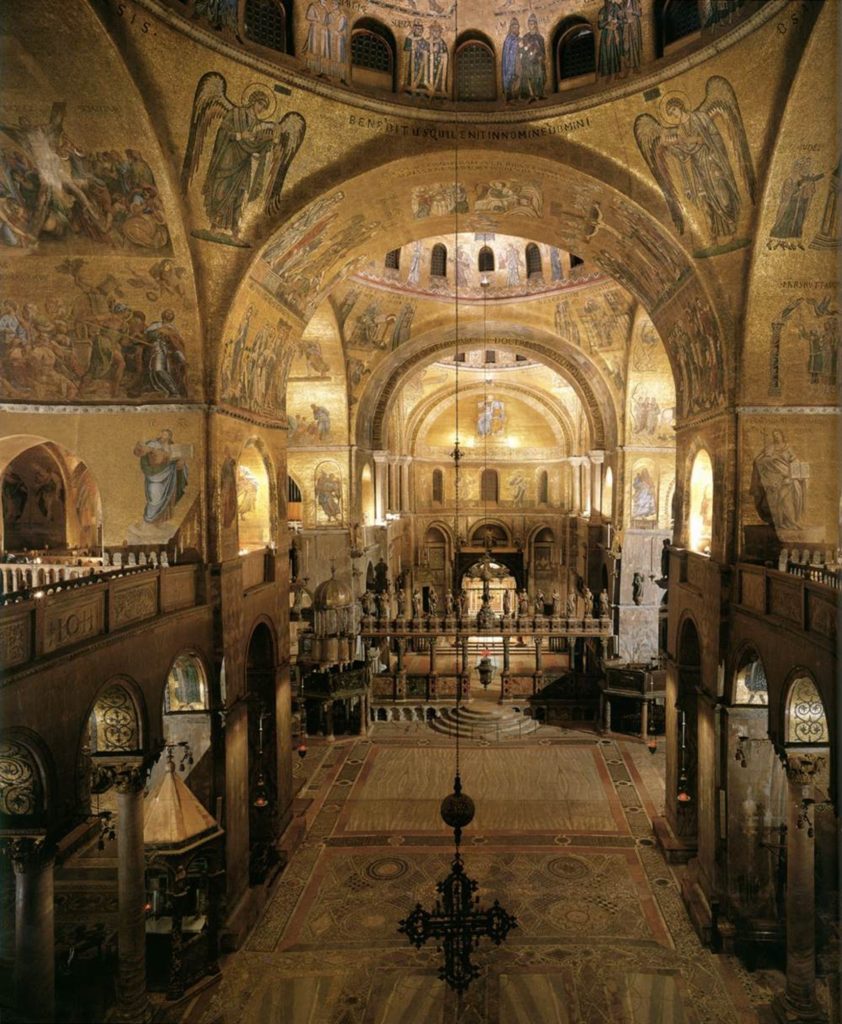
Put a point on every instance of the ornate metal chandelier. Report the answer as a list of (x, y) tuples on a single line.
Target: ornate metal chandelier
[(457, 921)]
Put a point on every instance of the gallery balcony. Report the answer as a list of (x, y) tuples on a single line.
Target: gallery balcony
[(56, 617)]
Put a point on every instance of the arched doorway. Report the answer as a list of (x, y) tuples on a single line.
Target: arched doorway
[(51, 502), (683, 798), (755, 805), (186, 722), (262, 753)]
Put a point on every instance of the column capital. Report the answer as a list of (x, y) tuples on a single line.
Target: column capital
[(380, 456), (27, 851), (802, 767), (129, 778), (576, 460), (597, 457)]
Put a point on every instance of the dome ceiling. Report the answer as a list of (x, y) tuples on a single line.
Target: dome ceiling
[(477, 265)]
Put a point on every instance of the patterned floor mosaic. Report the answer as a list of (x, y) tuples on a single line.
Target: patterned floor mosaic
[(562, 837)]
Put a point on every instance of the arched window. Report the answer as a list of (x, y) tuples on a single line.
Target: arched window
[(438, 487), (806, 721), (700, 523), (488, 485), (476, 74), (485, 260), (293, 490), (674, 19), (187, 686), (750, 682), (393, 260), (372, 54), (22, 789), (543, 487), (575, 50), (533, 261), (265, 23), (438, 260)]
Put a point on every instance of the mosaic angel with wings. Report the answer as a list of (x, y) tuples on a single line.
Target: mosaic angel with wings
[(700, 157), (251, 152)]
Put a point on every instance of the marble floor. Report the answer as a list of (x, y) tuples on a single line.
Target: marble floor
[(562, 837)]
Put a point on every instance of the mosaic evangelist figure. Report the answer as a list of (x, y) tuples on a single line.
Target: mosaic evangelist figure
[(700, 157), (164, 468), (328, 490), (250, 157), (53, 190), (778, 484)]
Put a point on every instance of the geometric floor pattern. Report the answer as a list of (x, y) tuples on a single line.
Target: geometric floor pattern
[(562, 837)]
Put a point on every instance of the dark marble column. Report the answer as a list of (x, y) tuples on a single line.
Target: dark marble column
[(798, 1003), (34, 974), (132, 1001)]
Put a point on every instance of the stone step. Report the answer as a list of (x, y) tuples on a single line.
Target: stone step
[(490, 720)]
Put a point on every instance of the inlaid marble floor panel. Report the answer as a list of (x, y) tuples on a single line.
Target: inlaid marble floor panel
[(562, 838), (525, 789)]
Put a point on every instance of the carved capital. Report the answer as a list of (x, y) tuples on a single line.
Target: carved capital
[(801, 768), (129, 778), (26, 852)]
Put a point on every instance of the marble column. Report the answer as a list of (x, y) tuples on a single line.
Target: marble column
[(597, 459), (464, 680), (586, 485), (405, 463), (576, 476), (132, 1001), (380, 469), (798, 1003), (506, 674), (538, 677), (399, 690), (34, 972)]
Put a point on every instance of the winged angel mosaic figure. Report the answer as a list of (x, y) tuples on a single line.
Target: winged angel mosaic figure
[(251, 153), (700, 157)]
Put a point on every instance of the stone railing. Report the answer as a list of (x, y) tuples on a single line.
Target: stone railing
[(80, 611), (798, 601), (830, 577)]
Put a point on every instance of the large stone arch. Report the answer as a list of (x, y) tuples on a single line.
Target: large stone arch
[(569, 362), (324, 242)]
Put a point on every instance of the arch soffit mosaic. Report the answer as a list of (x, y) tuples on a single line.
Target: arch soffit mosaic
[(328, 240)]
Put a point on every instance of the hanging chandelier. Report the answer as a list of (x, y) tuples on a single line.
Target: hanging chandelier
[(457, 921)]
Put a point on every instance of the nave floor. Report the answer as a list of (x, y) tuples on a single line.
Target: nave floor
[(562, 837)]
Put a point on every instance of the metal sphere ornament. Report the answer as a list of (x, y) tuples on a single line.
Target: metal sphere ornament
[(457, 809)]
